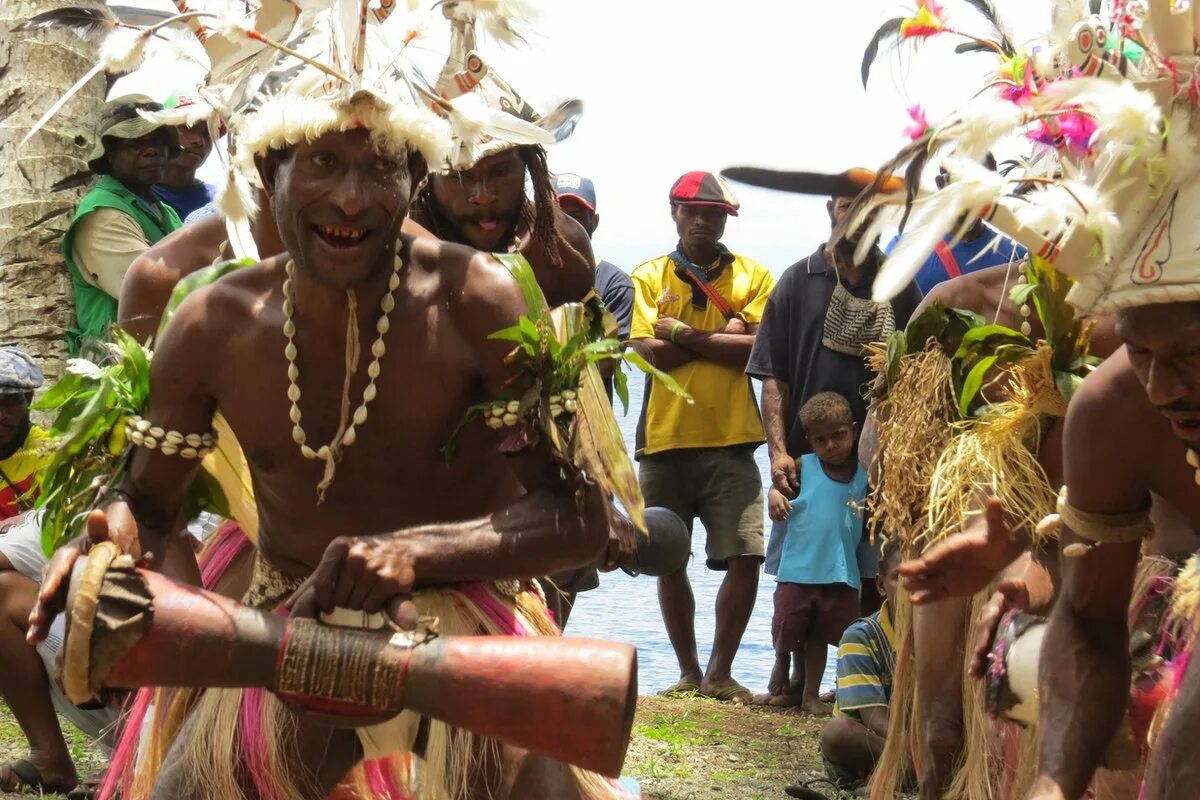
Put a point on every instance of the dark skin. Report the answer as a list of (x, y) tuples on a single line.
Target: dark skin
[(775, 392), (1136, 415), (138, 163), (833, 443), (152, 275), (483, 205), (195, 145), (939, 616), (339, 206), (14, 416), (700, 228), (24, 684), (857, 743)]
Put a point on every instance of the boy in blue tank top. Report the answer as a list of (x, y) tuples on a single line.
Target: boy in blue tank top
[(817, 583)]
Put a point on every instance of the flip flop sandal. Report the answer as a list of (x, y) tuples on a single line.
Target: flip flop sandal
[(680, 690), (27, 776), (730, 694)]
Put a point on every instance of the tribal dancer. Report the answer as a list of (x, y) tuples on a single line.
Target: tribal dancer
[(1121, 120), (481, 201), (340, 152)]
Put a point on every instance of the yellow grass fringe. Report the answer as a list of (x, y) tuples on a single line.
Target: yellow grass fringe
[(898, 748), (995, 454), (914, 428)]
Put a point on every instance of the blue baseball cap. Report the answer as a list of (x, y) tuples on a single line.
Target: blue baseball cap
[(576, 187)]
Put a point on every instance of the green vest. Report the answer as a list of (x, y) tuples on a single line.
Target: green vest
[(95, 309)]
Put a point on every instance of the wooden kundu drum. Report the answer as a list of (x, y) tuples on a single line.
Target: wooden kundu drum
[(570, 699), (1012, 684)]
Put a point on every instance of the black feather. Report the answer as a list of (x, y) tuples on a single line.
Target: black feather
[(84, 21), (886, 30), (912, 182), (141, 17), (988, 12), (973, 47)]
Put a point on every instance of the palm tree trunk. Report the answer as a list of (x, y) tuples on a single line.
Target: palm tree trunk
[(41, 182)]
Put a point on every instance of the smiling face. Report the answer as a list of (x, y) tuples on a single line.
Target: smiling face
[(1163, 342), (483, 204), (138, 163), (339, 204)]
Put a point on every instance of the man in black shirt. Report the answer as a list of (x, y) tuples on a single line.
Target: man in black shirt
[(808, 343)]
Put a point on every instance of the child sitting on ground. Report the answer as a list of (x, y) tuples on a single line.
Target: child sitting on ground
[(817, 582)]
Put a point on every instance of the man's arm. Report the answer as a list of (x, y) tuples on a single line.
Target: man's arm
[(722, 347), (152, 276), (783, 466), (642, 336), (577, 267), (1084, 677), (144, 516)]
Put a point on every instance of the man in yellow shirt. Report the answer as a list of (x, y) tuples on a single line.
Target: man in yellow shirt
[(695, 313)]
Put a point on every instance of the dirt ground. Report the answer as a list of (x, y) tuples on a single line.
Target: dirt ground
[(682, 749)]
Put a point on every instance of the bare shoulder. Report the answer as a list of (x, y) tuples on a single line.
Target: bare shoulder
[(1109, 439), (212, 312), (153, 274), (580, 265), (476, 288), (979, 291)]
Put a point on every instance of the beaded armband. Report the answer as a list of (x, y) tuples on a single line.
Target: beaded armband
[(192, 445)]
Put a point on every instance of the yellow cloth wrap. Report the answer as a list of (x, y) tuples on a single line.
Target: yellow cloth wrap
[(227, 464), (1106, 528)]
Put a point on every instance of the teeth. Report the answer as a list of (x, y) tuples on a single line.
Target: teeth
[(340, 233)]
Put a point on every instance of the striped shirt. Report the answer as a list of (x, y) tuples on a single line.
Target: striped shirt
[(865, 664)]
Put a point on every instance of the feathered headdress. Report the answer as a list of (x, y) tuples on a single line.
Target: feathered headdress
[(285, 71), (1110, 112), (488, 114)]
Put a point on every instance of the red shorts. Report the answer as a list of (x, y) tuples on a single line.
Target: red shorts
[(812, 613)]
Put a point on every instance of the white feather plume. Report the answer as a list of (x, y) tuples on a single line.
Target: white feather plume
[(506, 21), (238, 205), (981, 123), (122, 50), (1122, 112), (934, 215), (475, 124)]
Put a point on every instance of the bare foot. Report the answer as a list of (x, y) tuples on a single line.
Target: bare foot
[(778, 682), (816, 708), (785, 700)]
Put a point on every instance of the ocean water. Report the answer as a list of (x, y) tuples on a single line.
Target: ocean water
[(626, 609)]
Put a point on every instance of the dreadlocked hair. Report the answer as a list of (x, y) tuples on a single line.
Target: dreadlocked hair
[(539, 216)]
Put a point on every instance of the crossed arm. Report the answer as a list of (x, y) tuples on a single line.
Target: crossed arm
[(676, 343)]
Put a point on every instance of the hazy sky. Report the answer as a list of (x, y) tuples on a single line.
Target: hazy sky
[(675, 85)]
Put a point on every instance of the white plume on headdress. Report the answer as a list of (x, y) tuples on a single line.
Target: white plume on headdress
[(238, 204), (934, 215), (980, 124), (506, 21), (1122, 111), (123, 49)]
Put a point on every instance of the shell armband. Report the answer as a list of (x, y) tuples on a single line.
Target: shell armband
[(170, 443)]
